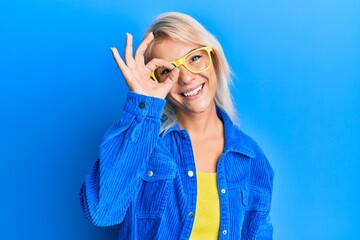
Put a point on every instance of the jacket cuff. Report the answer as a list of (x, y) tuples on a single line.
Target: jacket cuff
[(143, 105)]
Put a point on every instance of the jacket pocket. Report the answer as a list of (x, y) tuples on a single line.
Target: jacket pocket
[(255, 199), (256, 203), (156, 182)]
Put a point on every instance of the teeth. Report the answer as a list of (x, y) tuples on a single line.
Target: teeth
[(193, 92)]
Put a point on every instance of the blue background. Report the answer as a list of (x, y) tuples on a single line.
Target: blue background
[(297, 66)]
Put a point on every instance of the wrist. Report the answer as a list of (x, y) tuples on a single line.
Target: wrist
[(144, 105)]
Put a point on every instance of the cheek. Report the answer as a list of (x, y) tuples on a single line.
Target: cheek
[(172, 94), (212, 79), (172, 98)]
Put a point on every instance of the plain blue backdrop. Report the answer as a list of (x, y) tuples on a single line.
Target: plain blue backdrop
[(297, 92)]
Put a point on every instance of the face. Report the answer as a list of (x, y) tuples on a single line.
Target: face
[(193, 93)]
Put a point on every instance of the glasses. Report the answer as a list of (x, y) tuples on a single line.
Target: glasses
[(196, 61)]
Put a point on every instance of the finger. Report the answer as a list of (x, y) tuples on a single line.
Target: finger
[(129, 50), (139, 54), (118, 59), (172, 79), (121, 64), (158, 62)]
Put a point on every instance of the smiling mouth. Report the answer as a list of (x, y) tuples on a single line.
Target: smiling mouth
[(193, 92)]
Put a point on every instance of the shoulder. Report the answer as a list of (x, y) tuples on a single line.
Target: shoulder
[(258, 151), (261, 172)]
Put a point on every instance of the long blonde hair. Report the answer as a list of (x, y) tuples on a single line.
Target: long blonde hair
[(184, 28)]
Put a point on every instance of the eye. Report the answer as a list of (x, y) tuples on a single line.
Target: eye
[(196, 58), (165, 71)]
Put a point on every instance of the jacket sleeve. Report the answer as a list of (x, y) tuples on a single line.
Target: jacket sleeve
[(265, 229), (114, 178), (257, 224)]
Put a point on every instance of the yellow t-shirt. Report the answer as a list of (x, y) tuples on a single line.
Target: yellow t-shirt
[(207, 214)]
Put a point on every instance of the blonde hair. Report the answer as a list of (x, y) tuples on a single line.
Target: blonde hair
[(184, 28)]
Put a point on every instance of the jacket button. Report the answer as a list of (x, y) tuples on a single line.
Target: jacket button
[(191, 214), (190, 173), (150, 173), (224, 232), (142, 105), (223, 191)]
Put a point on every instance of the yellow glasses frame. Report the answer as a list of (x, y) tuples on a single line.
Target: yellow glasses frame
[(181, 61)]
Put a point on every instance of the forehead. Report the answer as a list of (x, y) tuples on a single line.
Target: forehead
[(170, 49)]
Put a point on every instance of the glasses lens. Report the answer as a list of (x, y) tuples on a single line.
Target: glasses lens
[(161, 73), (196, 62)]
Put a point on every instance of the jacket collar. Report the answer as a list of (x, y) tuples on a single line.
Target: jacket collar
[(235, 139)]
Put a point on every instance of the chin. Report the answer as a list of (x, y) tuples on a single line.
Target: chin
[(196, 108)]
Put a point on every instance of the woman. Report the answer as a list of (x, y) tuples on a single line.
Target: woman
[(176, 166)]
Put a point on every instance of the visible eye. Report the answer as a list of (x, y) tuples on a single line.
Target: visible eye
[(165, 71), (195, 58)]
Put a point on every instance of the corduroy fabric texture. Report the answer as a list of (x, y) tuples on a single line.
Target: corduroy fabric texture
[(146, 182)]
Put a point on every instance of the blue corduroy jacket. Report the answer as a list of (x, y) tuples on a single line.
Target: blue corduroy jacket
[(146, 182)]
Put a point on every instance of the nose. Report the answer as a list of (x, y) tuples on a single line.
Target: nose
[(185, 76)]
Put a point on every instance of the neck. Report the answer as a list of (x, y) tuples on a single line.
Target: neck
[(200, 125)]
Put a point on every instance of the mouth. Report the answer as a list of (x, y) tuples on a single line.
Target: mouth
[(194, 92)]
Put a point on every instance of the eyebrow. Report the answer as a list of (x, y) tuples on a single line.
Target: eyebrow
[(191, 50), (186, 53)]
